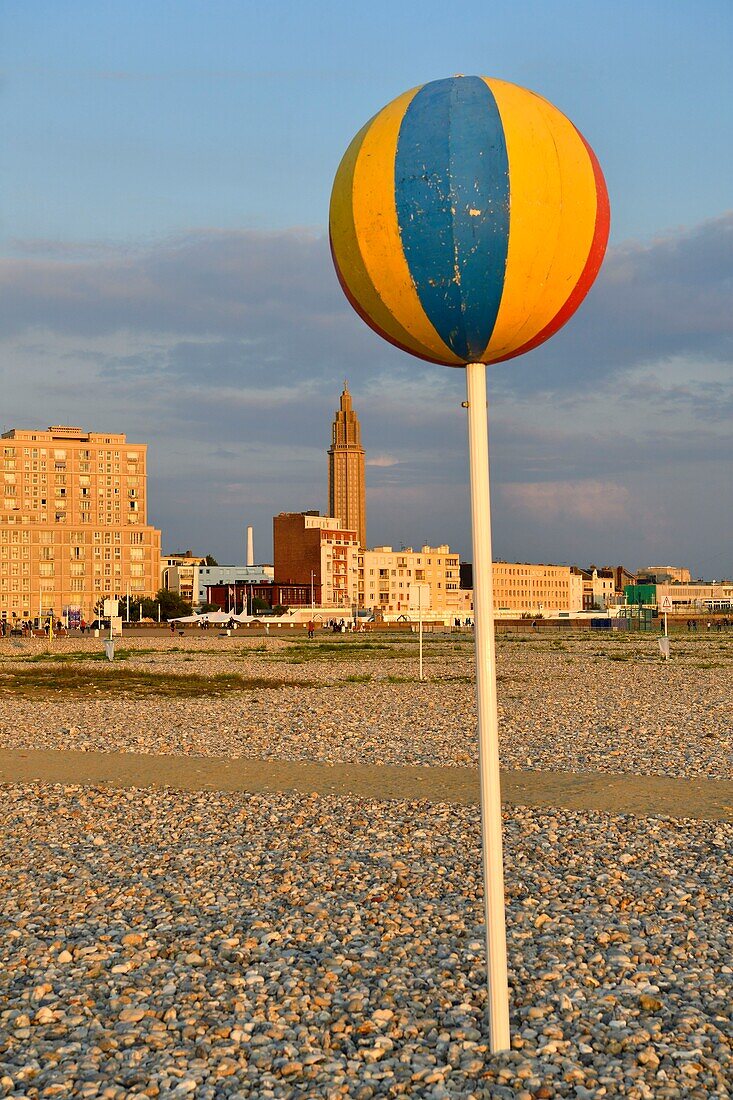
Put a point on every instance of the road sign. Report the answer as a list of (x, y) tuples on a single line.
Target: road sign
[(666, 604)]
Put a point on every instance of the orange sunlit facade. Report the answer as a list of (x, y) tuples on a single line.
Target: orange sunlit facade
[(73, 523)]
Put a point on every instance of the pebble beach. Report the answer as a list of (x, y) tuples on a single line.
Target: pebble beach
[(576, 704), (170, 943)]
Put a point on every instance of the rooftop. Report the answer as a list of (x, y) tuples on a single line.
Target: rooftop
[(65, 432)]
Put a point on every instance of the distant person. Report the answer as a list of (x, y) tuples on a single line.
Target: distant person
[(311, 629), (172, 626)]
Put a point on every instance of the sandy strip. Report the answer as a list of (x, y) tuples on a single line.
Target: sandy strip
[(702, 799)]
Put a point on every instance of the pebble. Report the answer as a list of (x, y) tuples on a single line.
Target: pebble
[(224, 945), (585, 702), (255, 946)]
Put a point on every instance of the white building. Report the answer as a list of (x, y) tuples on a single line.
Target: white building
[(231, 574)]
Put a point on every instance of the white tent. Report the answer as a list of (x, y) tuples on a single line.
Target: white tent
[(216, 618), (219, 617)]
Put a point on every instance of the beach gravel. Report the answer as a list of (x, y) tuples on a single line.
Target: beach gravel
[(582, 704), (170, 944)]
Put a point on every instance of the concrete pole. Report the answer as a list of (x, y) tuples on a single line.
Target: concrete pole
[(419, 612), (488, 728), (250, 547)]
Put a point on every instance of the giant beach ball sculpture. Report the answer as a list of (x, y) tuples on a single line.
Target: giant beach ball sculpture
[(469, 218)]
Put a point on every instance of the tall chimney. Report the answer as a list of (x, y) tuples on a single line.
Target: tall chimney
[(250, 547)]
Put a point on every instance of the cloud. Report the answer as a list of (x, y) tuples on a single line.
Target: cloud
[(593, 503), (271, 297), (226, 351), (652, 301), (242, 306)]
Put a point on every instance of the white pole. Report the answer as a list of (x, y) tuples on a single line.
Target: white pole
[(127, 598), (488, 727), (419, 612)]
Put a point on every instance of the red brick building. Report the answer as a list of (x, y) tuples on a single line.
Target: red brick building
[(310, 549), (240, 596)]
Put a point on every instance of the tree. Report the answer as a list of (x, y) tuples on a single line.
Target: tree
[(145, 608), (259, 604), (211, 560), (171, 604), (208, 607)]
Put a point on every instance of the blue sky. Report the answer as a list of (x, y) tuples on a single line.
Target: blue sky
[(154, 151)]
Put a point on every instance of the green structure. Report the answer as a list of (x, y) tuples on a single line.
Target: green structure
[(641, 595), (641, 600)]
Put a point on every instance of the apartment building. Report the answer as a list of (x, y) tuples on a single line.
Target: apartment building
[(523, 588), (73, 523), (598, 587), (179, 573), (315, 550), (388, 580)]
